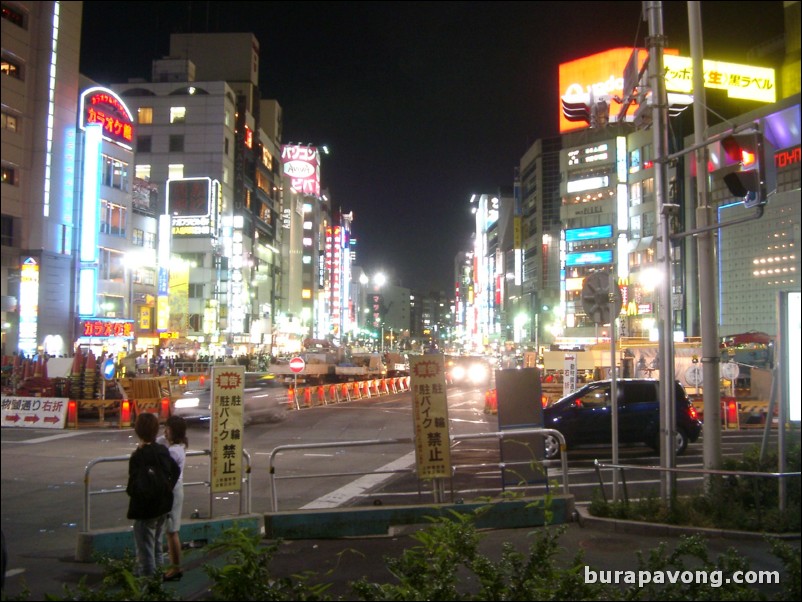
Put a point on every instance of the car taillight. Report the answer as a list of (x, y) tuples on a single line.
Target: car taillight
[(692, 412)]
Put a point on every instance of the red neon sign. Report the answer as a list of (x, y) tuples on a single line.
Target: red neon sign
[(102, 106), (107, 328)]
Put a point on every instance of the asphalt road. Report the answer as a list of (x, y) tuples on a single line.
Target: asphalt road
[(43, 474)]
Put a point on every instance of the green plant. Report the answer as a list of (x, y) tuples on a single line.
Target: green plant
[(247, 576), (446, 565), (119, 583)]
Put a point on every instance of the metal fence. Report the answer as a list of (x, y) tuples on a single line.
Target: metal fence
[(245, 498), (500, 435), (698, 471)]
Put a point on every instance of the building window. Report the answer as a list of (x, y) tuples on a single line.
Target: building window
[(175, 171), (115, 173), (7, 231), (142, 172), (138, 237), (150, 240), (177, 144), (144, 115), (148, 276), (11, 68), (178, 114), (111, 265), (143, 144), (9, 175), (225, 146), (14, 16), (196, 291), (9, 122), (112, 218)]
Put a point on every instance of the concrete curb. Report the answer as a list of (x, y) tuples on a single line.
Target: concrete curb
[(615, 525)]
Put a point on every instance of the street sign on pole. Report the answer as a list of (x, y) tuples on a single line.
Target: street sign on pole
[(297, 364)]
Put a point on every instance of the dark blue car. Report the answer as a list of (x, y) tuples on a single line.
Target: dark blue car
[(585, 416)]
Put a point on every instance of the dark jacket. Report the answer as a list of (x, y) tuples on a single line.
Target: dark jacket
[(148, 455)]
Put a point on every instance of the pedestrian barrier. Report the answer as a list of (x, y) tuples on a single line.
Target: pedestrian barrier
[(334, 393), (366, 389), (291, 401), (308, 397), (346, 394), (321, 395), (357, 390)]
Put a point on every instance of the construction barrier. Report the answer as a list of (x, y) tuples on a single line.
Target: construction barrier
[(366, 389), (334, 393), (321, 395), (308, 397), (357, 390), (346, 394), (730, 414), (291, 403), (491, 402)]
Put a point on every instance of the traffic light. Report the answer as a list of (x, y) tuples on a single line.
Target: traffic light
[(756, 178)]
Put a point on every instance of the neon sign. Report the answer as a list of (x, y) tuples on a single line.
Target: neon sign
[(102, 328), (104, 107)]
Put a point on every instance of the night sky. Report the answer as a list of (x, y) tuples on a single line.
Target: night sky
[(421, 103)]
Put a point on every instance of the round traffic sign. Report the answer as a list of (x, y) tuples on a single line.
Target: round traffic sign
[(601, 297), (694, 375), (297, 364), (730, 370)]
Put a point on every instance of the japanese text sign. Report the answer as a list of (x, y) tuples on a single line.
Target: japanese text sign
[(227, 428), (430, 415)]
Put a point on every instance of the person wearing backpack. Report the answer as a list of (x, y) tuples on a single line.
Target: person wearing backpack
[(175, 439), (152, 474)]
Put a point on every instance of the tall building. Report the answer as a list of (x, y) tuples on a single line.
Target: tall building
[(202, 146), (40, 92)]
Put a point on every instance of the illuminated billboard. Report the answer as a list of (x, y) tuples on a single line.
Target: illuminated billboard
[(302, 165), (194, 205), (104, 107), (582, 234), (588, 258), (599, 78)]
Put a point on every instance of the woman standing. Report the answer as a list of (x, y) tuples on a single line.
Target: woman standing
[(148, 507), (175, 439)]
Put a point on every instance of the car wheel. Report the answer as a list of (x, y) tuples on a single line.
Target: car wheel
[(680, 442), (552, 447)]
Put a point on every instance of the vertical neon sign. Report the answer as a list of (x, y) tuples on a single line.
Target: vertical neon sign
[(28, 305), (90, 209)]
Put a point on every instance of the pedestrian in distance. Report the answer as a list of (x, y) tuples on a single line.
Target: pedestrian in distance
[(152, 475), (175, 439)]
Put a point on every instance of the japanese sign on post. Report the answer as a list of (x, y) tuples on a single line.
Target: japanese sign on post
[(430, 413), (227, 421), (35, 412)]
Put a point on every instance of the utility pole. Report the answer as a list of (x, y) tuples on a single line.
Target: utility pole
[(656, 44), (706, 261)]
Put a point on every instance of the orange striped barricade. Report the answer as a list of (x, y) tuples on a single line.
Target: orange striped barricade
[(308, 397), (334, 393), (366, 389), (385, 387), (346, 393), (405, 380), (357, 391), (374, 385), (292, 400), (321, 395), (394, 383)]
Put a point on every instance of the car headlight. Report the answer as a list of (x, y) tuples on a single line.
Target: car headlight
[(478, 373), (458, 372), (187, 402)]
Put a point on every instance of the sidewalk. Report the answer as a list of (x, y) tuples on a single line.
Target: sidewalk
[(606, 545)]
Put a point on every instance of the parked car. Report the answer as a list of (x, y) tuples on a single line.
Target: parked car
[(585, 416)]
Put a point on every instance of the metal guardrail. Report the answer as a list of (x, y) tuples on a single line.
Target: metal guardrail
[(709, 471), (500, 435), (88, 493)]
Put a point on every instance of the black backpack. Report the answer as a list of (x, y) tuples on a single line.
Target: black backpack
[(155, 480)]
